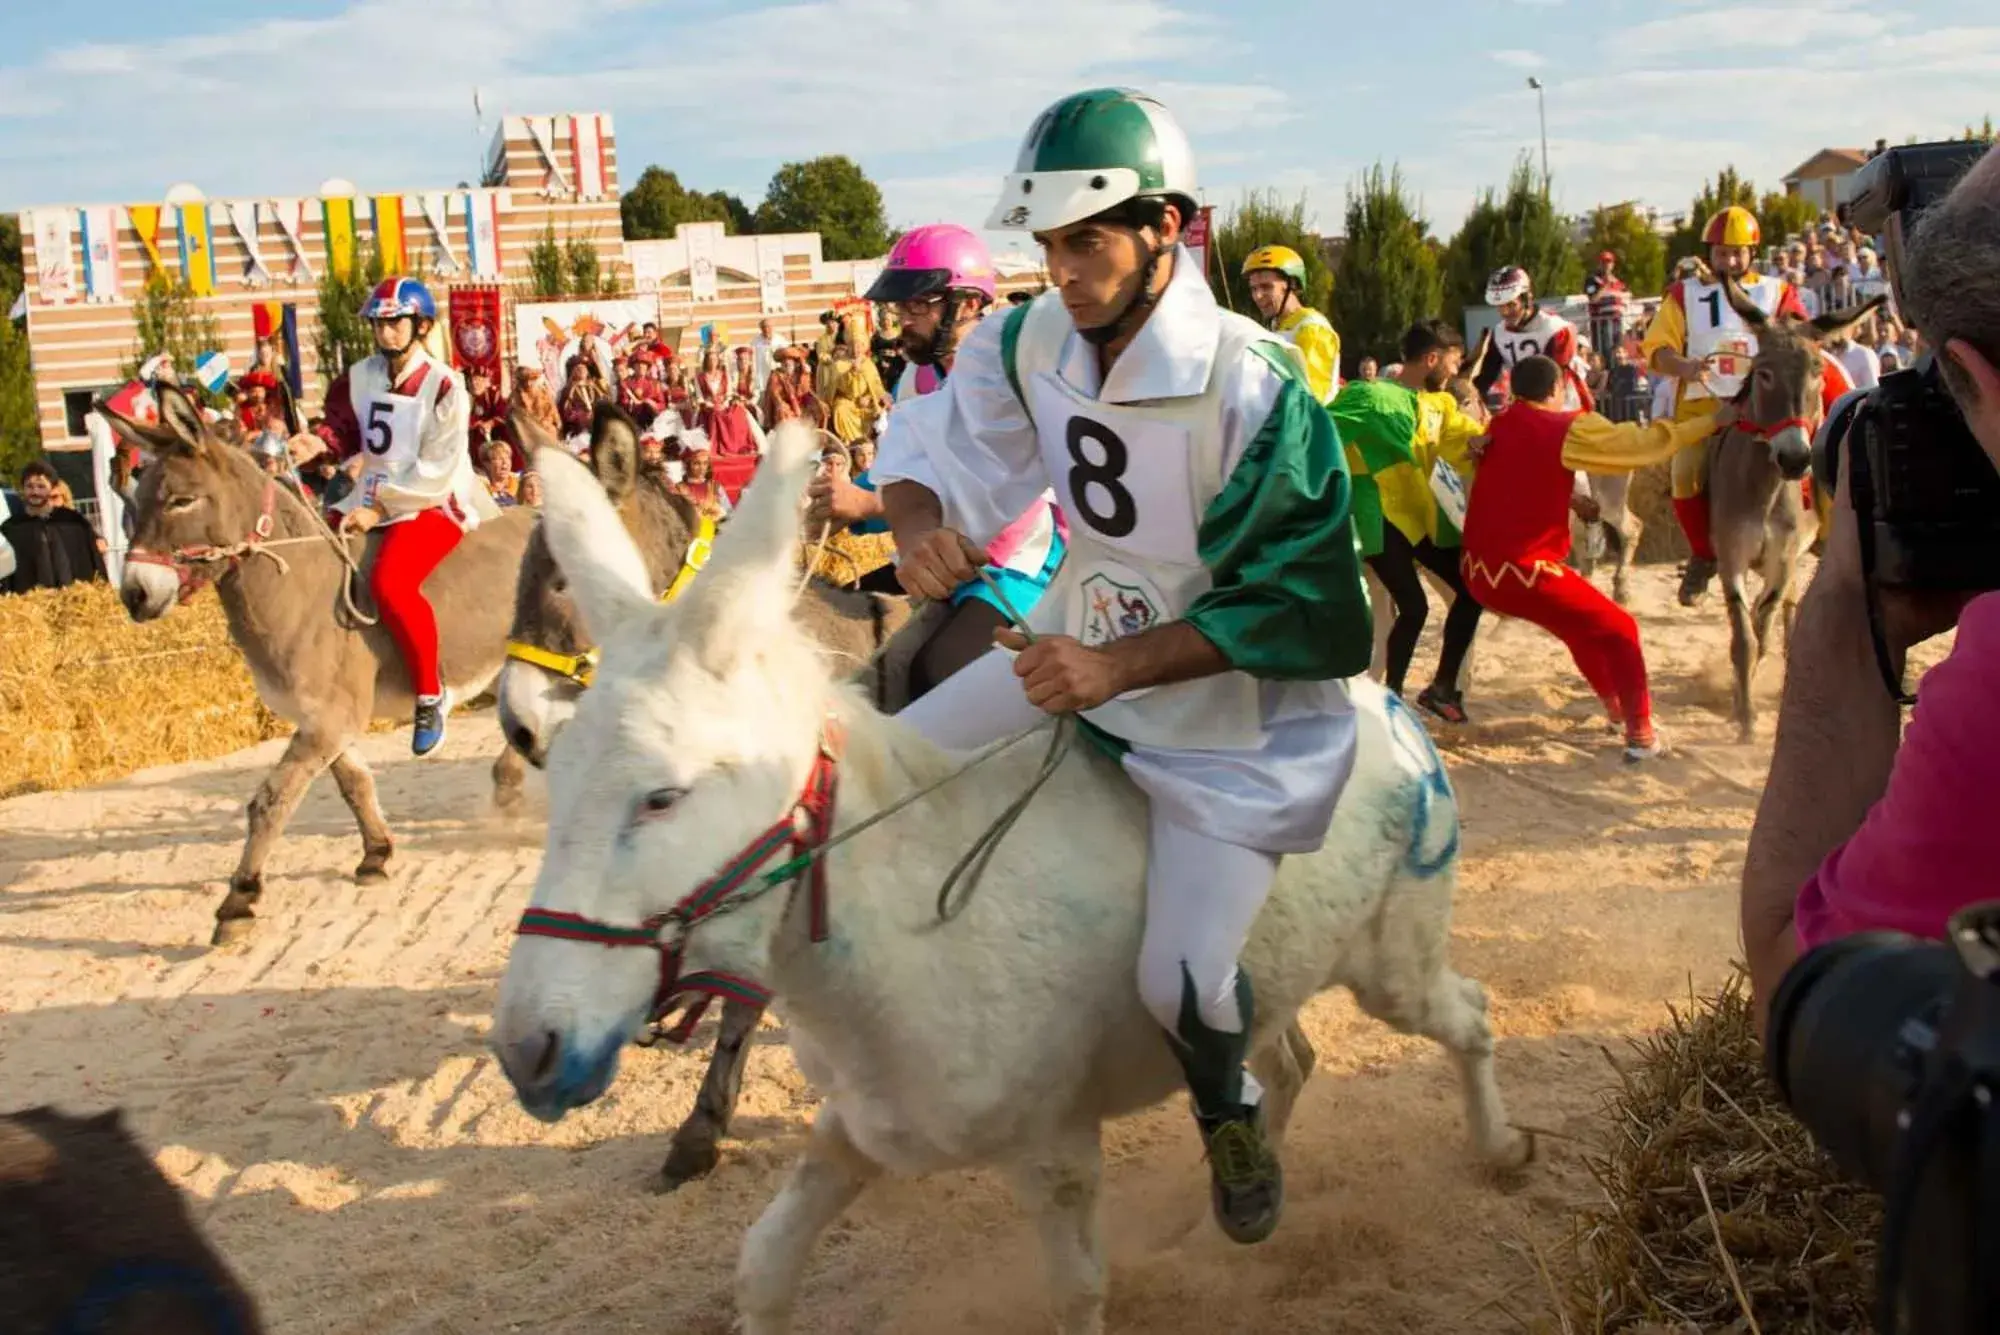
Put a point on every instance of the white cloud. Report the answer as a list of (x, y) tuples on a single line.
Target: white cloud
[(284, 103), (1519, 60)]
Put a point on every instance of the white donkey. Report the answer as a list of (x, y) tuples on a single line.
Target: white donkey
[(712, 743)]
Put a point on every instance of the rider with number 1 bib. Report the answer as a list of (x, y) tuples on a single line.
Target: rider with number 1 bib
[(940, 278), (406, 414), (1211, 603)]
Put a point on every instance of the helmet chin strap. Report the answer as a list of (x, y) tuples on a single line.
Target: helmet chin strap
[(943, 339), (1142, 301)]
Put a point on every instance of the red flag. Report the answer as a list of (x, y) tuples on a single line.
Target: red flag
[(475, 331)]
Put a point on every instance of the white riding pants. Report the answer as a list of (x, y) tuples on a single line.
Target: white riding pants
[(1203, 893)]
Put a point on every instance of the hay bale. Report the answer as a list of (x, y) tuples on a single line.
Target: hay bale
[(1801, 1240), (1652, 501), (87, 695)]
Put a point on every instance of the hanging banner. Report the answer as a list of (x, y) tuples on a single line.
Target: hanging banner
[(542, 129), (1196, 238), (771, 274), (100, 252), (865, 273), (586, 148), (437, 212), (339, 215), (146, 222), (197, 250), (549, 333), (291, 217), (389, 233), (244, 216), (475, 330), (701, 239), (482, 232), (55, 264), (278, 321)]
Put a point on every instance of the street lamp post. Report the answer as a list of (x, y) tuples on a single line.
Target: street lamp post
[(1542, 108)]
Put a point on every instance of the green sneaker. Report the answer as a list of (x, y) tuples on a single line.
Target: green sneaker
[(1246, 1182)]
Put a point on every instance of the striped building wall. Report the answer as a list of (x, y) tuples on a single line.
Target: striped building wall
[(79, 345)]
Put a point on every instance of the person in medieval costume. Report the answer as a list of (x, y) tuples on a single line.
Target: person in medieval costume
[(405, 414), (1211, 602)]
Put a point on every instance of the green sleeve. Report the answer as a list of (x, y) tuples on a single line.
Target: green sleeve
[(1287, 601)]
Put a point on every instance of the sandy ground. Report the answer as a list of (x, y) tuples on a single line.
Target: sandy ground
[(323, 1093)]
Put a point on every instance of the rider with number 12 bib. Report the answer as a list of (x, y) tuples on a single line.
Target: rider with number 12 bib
[(940, 278), (1211, 602), (406, 414), (1528, 330)]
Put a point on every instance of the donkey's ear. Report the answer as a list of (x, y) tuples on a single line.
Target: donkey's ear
[(534, 437), (1739, 301), (151, 437), (606, 574), (748, 588), (614, 449), (1838, 323), (180, 415)]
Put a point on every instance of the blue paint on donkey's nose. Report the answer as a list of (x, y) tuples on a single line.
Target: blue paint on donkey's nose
[(552, 1074)]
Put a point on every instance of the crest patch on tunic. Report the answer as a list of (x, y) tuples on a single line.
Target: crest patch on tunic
[(1114, 610)]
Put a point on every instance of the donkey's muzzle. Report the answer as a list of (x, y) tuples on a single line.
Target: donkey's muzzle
[(1791, 451)]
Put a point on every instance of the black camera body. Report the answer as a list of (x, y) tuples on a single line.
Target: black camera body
[(1887, 1048), (1922, 486)]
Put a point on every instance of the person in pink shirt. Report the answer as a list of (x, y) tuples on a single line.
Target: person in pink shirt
[(1863, 827)]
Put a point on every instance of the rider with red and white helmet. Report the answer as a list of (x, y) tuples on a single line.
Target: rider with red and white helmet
[(406, 414), (941, 280), (1526, 330)]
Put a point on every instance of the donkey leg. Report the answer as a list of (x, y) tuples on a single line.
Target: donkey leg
[(693, 1152), (357, 789), (1742, 653), (277, 797), (1060, 1187), (830, 1174), (509, 769), (1282, 1069)]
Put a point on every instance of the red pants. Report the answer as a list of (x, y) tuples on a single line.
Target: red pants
[(1601, 635), (411, 548)]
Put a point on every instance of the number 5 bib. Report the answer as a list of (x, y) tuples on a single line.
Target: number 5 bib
[(391, 425), (1135, 481)]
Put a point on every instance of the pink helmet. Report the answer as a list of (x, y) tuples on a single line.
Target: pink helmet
[(935, 258)]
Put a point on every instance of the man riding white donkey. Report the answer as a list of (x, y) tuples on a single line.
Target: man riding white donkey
[(406, 414), (1202, 627), (940, 279)]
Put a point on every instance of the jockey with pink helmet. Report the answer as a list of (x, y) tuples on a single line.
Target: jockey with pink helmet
[(941, 280)]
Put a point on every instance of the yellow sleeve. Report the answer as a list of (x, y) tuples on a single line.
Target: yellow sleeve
[(1597, 444), (1319, 349), (1460, 429), (1668, 330)]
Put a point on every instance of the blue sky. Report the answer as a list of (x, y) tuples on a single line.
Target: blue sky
[(116, 100)]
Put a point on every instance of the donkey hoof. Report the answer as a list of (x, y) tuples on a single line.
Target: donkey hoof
[(1514, 1155), (229, 931), (507, 800), (686, 1161), (374, 868)]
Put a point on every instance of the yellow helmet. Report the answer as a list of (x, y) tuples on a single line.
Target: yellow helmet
[(1733, 226), (1282, 259)]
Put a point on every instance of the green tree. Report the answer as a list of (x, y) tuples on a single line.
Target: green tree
[(832, 196), (1779, 215), (341, 337), (1521, 228), (1628, 234), (1388, 278), (657, 204), (20, 424), (1263, 218), (1728, 187), (1984, 134)]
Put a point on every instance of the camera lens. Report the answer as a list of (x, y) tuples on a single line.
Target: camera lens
[(1850, 1027)]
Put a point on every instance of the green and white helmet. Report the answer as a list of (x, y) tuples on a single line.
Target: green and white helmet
[(1090, 152)]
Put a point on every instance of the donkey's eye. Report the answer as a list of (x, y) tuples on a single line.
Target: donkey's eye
[(182, 504), (558, 585), (660, 800)]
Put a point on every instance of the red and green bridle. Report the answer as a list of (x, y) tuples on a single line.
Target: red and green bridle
[(805, 829)]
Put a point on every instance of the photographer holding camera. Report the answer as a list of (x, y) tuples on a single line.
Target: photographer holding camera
[(1869, 912)]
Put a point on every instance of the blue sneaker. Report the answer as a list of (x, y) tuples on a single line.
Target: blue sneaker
[(427, 729)]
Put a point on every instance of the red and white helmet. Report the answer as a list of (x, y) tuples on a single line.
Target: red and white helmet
[(1507, 284)]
